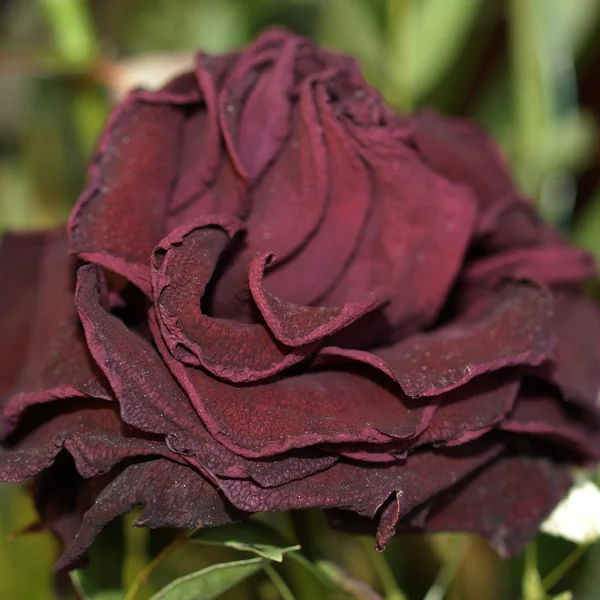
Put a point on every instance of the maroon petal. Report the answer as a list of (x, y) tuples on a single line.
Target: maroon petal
[(151, 400), (289, 204), (183, 264), (460, 151), (325, 223), (516, 328), (294, 325), (254, 104), (200, 147), (505, 502), (57, 363), (398, 253), (300, 411), (471, 410), (576, 368), (541, 412), (120, 217), (364, 489), (90, 431), (550, 264), (173, 496), (21, 258)]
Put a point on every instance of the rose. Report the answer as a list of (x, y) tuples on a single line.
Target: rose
[(288, 297)]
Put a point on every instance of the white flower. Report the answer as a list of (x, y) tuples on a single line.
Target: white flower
[(577, 517)]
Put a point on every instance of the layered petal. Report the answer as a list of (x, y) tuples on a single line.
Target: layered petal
[(121, 215), (576, 368), (90, 431), (172, 495), (57, 363), (493, 503), (21, 258), (541, 412), (364, 489), (151, 400), (514, 326)]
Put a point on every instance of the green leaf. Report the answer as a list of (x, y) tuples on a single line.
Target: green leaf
[(101, 579), (247, 537), (355, 587), (88, 589), (210, 582)]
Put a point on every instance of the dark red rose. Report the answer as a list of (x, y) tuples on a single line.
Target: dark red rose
[(287, 297)]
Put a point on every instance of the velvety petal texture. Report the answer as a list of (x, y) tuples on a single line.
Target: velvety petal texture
[(276, 294)]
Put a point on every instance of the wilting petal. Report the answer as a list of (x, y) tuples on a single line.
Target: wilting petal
[(314, 236), (364, 489), (505, 502), (62, 496), (57, 363), (21, 259), (288, 207), (516, 328), (550, 264), (398, 253), (541, 412), (183, 265), (576, 369), (254, 104), (173, 496), (294, 325), (120, 217), (200, 147), (301, 410), (471, 410), (460, 151), (151, 400), (90, 431)]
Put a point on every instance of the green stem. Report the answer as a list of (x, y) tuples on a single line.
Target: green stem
[(277, 580), (447, 573), (384, 572), (145, 573), (550, 580)]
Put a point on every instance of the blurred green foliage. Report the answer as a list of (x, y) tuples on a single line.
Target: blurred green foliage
[(527, 70)]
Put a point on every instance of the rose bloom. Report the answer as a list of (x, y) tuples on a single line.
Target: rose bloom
[(276, 294)]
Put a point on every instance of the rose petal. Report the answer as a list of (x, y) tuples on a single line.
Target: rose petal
[(200, 147), (152, 401), (505, 502), (460, 151), (541, 412), (550, 264), (183, 265), (398, 253), (576, 368), (90, 431), (301, 410), (57, 363), (254, 105), (120, 217), (296, 326), (289, 204), (173, 496), (327, 221), (517, 328), (21, 258), (363, 489), (471, 410)]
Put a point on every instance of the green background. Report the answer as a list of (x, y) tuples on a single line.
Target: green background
[(527, 70)]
